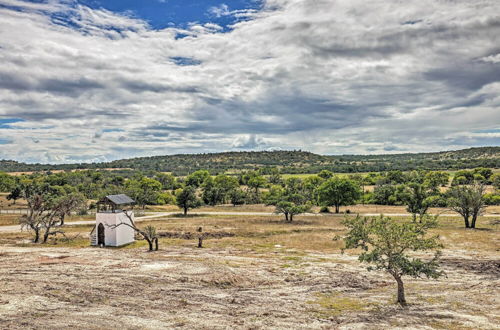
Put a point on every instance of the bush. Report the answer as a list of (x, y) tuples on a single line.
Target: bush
[(492, 199), (166, 198), (82, 211), (324, 209)]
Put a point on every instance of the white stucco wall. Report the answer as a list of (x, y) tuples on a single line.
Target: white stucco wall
[(120, 235)]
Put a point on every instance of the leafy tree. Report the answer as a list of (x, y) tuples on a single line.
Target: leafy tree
[(290, 209), (165, 198), (495, 180), (291, 205), (237, 197), (275, 177), (196, 179), (385, 243), (395, 176), (274, 195), (463, 177), (492, 199), (15, 194), (226, 184), (7, 182), (385, 194), (187, 199), (416, 196), (212, 194), (436, 179), (293, 185), (287, 202), (468, 201), (414, 177), (486, 173), (310, 187), (325, 174), (144, 191), (256, 183), (372, 178), (167, 181), (338, 192)]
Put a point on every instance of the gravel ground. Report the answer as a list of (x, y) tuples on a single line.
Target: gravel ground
[(181, 287)]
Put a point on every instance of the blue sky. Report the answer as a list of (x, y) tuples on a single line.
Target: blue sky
[(88, 80), (162, 13)]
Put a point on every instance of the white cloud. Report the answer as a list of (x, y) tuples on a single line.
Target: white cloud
[(325, 76)]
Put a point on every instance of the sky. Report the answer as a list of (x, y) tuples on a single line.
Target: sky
[(91, 81)]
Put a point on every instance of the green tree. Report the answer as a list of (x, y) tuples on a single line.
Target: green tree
[(144, 191), (395, 176), (212, 194), (486, 173), (256, 183), (226, 184), (385, 194), (416, 196), (436, 179), (325, 174), (338, 192), (468, 201), (167, 181), (196, 179), (291, 206), (165, 198), (275, 177), (463, 177), (495, 180), (385, 243), (310, 187), (7, 182), (187, 199), (15, 194), (237, 197)]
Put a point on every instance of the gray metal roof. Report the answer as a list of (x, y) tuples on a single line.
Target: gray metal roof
[(120, 199)]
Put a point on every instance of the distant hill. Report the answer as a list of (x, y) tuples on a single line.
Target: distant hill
[(286, 161)]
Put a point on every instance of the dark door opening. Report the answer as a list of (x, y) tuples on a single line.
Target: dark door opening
[(100, 235)]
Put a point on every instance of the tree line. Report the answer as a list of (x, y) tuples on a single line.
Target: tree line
[(287, 162), (417, 190)]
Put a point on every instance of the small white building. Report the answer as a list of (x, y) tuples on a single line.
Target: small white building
[(113, 222)]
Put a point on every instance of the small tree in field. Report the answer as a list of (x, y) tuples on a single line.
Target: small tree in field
[(386, 243), (468, 201), (15, 194), (338, 192), (417, 198), (148, 233), (187, 199), (290, 209)]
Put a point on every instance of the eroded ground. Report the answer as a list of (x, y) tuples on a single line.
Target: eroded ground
[(267, 275)]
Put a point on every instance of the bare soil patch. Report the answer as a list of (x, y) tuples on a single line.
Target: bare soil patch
[(255, 273)]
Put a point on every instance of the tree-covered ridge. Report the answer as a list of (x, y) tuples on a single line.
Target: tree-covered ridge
[(286, 161)]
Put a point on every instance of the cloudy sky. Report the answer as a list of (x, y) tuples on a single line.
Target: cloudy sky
[(101, 80)]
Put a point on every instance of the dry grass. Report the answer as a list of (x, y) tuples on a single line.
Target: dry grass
[(9, 219), (270, 274), (305, 234)]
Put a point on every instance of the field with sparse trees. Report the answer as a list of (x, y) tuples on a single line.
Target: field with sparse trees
[(254, 249)]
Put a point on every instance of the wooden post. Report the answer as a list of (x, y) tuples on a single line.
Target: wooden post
[(200, 238)]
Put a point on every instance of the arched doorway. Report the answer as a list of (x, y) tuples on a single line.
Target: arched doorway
[(100, 235)]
